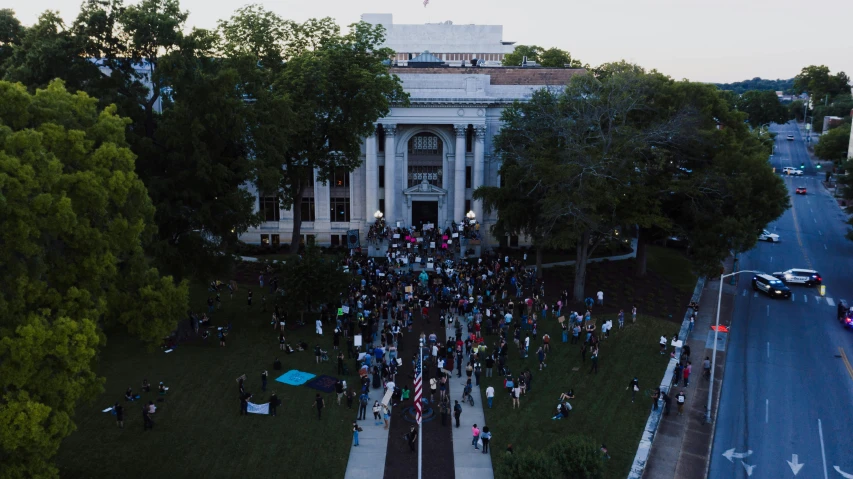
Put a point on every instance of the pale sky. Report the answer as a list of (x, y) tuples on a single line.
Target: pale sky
[(709, 41)]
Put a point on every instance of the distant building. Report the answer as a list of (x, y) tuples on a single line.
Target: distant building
[(452, 44)]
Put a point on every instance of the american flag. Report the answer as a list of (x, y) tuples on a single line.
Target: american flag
[(418, 385), (425, 3)]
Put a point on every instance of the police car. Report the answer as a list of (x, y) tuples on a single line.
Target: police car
[(844, 314), (808, 277), (770, 285), (768, 236)]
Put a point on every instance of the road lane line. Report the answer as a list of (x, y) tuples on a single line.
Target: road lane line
[(805, 298), (822, 449), (815, 220), (744, 293), (830, 301), (768, 310), (768, 349), (846, 362), (800, 239), (824, 247), (766, 411), (820, 232), (793, 297)]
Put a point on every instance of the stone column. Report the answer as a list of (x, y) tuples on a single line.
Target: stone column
[(459, 175), (479, 173), (371, 181), (391, 214)]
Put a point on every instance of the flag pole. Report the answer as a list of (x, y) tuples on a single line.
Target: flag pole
[(420, 405)]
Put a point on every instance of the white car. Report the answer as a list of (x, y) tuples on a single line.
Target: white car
[(808, 277), (790, 170), (768, 236), (790, 137)]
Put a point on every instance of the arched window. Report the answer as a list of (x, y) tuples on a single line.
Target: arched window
[(425, 159)]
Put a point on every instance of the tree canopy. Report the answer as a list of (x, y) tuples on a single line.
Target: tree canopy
[(758, 84), (833, 144), (570, 456), (552, 57), (761, 107), (312, 279), (818, 83), (75, 216)]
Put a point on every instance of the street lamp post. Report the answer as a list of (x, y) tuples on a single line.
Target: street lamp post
[(716, 332)]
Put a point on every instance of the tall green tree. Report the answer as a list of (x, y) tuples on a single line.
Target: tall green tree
[(762, 107), (833, 144), (555, 57), (11, 32), (75, 216), (818, 82), (312, 279), (516, 58), (311, 112)]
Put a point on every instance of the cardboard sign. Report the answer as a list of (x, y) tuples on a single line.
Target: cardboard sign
[(409, 245), (340, 311), (429, 266), (455, 235), (381, 275), (420, 240), (449, 241), (345, 309), (432, 244), (396, 236), (418, 259), (405, 260), (561, 319), (356, 341), (408, 289)]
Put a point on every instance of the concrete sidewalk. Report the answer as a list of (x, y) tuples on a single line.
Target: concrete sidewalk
[(682, 444), (467, 461)]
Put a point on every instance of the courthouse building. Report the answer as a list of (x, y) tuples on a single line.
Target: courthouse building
[(424, 161)]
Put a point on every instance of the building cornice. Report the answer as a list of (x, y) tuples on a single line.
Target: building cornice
[(459, 102)]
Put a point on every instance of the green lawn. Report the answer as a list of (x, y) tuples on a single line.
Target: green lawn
[(602, 409), (198, 430), (673, 265)]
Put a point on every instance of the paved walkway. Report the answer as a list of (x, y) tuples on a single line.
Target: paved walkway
[(367, 461), (682, 444), (468, 462)]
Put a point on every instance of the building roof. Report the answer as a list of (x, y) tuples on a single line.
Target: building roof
[(503, 75), (426, 57)]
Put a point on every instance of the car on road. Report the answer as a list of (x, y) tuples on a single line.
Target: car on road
[(790, 170), (808, 277), (771, 286), (790, 137), (844, 315), (768, 236), (801, 190)]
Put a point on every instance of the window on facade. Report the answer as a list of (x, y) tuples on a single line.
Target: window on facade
[(340, 178), (276, 241), (513, 241), (265, 240), (382, 177), (425, 160), (469, 139), (382, 206), (336, 240), (468, 177), (308, 210), (339, 210), (380, 138), (268, 207), (468, 208)]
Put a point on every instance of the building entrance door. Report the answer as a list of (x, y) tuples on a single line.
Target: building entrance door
[(424, 212)]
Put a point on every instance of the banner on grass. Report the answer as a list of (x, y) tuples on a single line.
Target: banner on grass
[(259, 408)]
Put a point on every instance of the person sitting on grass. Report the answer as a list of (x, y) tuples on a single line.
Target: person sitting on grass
[(128, 395), (568, 395), (288, 349), (146, 386), (563, 410), (151, 407), (161, 389)]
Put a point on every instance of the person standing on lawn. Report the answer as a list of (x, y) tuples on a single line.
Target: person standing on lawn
[(621, 318), (477, 371), (147, 423), (119, 410), (264, 381), (540, 353), (490, 395), (249, 300), (319, 404), (600, 296), (490, 363), (546, 343), (594, 357), (339, 390), (634, 314)]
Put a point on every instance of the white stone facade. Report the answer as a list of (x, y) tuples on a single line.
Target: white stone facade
[(425, 160), (453, 44)]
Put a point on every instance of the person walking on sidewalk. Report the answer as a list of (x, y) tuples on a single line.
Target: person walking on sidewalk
[(687, 370), (457, 411), (655, 398), (355, 431), (475, 432), (681, 398), (706, 367), (676, 374), (362, 406), (634, 386), (486, 436)]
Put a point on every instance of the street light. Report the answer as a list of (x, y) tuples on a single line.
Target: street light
[(378, 215), (716, 331), (471, 216)]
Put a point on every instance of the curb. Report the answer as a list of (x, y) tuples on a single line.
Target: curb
[(645, 446)]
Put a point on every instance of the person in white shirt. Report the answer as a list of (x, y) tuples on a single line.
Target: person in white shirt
[(490, 394), (663, 344), (600, 296)]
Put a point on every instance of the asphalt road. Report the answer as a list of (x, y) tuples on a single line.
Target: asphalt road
[(787, 389)]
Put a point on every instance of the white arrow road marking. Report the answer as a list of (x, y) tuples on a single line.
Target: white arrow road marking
[(823, 449), (731, 455), (767, 401), (843, 474), (817, 299), (830, 301), (748, 468), (795, 464)]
